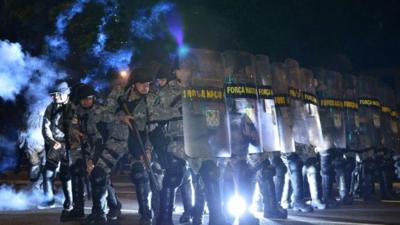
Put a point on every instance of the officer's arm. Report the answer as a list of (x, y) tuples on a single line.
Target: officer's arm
[(46, 131)]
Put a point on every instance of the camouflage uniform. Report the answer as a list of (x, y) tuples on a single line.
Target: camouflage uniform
[(165, 109), (106, 159), (85, 121)]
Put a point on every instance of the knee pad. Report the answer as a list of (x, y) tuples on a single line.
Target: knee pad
[(34, 173), (99, 177), (312, 169), (175, 173), (138, 173), (209, 171), (49, 174), (294, 163)]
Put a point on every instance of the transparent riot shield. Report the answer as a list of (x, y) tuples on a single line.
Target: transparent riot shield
[(369, 113), (269, 134), (351, 116), (312, 119), (330, 95), (296, 89), (241, 102), (204, 113), (386, 97), (280, 87)]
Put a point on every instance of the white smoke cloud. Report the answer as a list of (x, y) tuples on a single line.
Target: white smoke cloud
[(57, 44), (25, 199), (21, 73)]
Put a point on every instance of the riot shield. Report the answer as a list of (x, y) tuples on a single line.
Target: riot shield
[(312, 119), (351, 116), (369, 112), (204, 113), (386, 97), (296, 89), (269, 134), (241, 102), (330, 95), (280, 87)]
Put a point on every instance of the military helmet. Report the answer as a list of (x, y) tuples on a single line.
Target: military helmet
[(85, 91), (142, 75)]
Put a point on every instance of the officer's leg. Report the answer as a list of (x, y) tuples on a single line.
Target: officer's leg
[(77, 174), (155, 192), (49, 173), (114, 205), (327, 174), (350, 165), (172, 179), (312, 174), (48, 179), (296, 179), (279, 178), (198, 208), (227, 186), (140, 178), (186, 194), (267, 188), (66, 183), (35, 169), (286, 191), (210, 175), (340, 171), (99, 179), (245, 185), (367, 180)]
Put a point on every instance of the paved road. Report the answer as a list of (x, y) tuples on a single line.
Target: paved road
[(357, 214)]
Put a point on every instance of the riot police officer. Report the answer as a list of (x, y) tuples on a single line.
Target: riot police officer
[(57, 153)]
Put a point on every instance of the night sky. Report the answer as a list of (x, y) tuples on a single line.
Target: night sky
[(363, 33), (359, 36)]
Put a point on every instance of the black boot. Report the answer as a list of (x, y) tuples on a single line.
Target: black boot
[(186, 194), (245, 180), (199, 204), (210, 174), (114, 205), (267, 188), (279, 178), (142, 193), (167, 201), (327, 180), (367, 190), (296, 181), (67, 190), (98, 181), (48, 178), (77, 212)]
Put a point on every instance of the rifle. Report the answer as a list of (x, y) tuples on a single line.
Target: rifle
[(88, 187), (146, 159)]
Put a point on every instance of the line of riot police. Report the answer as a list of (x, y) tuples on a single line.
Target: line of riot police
[(222, 125)]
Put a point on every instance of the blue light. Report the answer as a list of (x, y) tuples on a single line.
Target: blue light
[(183, 50)]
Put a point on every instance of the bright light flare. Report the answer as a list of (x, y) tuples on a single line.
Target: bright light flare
[(183, 50), (237, 206), (124, 74)]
